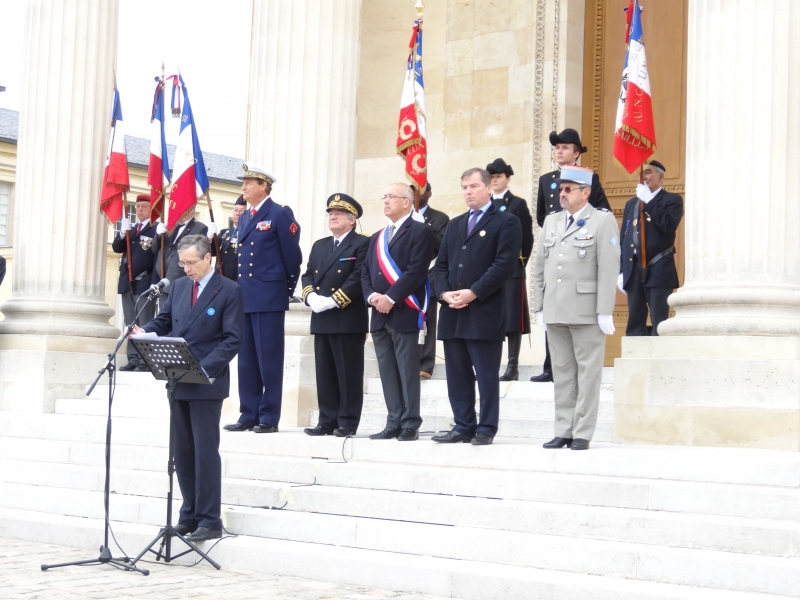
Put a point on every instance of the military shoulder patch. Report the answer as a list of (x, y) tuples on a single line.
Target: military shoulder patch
[(293, 228), (369, 235), (604, 209)]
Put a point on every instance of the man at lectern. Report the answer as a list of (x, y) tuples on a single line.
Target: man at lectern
[(206, 310)]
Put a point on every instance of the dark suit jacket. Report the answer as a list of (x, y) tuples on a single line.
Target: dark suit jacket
[(519, 208), (481, 262), (269, 257), (331, 272), (437, 221), (410, 248), (142, 258), (230, 254), (174, 272), (547, 199), (665, 211), (212, 328)]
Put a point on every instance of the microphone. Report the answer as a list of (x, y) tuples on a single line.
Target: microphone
[(157, 287)]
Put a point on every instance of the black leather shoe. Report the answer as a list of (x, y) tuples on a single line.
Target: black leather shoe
[(238, 427), (545, 377), (204, 533), (343, 432), (318, 430), (184, 530), (579, 444), (481, 439), (129, 367), (558, 443), (452, 437), (408, 435), (264, 428), (511, 374), (386, 434)]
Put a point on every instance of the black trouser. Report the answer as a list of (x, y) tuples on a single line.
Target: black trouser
[(640, 298), (548, 364), (128, 313), (197, 462), (427, 359), (339, 359)]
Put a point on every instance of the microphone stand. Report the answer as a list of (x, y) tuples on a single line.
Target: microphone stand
[(106, 558)]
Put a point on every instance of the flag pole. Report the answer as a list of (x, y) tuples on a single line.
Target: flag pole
[(163, 194), (215, 239), (420, 6)]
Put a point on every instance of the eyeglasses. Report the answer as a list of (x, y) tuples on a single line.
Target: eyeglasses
[(390, 197), (567, 189), (189, 263)]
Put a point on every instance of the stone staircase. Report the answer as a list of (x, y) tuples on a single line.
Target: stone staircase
[(509, 521)]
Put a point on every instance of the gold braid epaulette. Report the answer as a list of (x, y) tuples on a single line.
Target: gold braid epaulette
[(306, 291), (341, 298)]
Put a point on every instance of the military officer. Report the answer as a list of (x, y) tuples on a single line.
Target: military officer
[(142, 234), (269, 266), (574, 277), (437, 221), (518, 321), (567, 149), (647, 268), (228, 242), (332, 288)]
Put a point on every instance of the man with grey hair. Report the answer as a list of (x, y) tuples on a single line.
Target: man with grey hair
[(479, 253), (205, 309), (647, 273), (393, 281)]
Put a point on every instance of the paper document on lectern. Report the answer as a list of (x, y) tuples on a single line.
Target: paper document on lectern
[(154, 338)]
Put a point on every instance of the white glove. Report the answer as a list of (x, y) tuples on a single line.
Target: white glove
[(619, 284), (606, 323), (161, 229), (417, 217), (540, 319), (124, 225), (311, 298), (643, 192), (212, 230), (328, 303)]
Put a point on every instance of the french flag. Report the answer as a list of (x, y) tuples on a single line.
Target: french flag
[(158, 169), (411, 142), (190, 180), (115, 175), (634, 135)]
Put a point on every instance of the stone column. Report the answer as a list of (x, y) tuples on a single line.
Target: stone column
[(304, 61), (726, 370), (57, 313)]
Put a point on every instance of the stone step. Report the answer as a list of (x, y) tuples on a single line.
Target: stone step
[(734, 500), (629, 571), (709, 465), (537, 429), (138, 497), (469, 580)]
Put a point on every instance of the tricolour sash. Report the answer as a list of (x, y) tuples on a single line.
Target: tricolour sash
[(392, 273)]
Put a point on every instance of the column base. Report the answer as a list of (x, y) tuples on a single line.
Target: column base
[(731, 391), (299, 369), (36, 370)]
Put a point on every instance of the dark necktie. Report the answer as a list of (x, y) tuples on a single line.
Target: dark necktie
[(473, 220), (235, 233), (336, 243), (195, 290), (570, 221)]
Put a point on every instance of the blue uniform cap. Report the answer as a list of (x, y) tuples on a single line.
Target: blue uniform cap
[(574, 174)]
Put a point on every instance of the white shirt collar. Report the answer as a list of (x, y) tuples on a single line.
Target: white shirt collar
[(482, 209), (260, 204), (401, 220), (577, 214), (498, 195), (653, 195), (423, 209), (339, 239), (143, 223)]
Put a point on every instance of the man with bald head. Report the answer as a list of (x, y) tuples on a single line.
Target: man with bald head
[(393, 280)]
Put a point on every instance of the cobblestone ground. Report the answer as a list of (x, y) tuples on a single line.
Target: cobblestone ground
[(21, 577)]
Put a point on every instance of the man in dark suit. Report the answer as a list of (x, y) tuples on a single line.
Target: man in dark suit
[(332, 288), (229, 243), (141, 260), (567, 150), (205, 309), (392, 283), (187, 225), (269, 266), (479, 253), (437, 221), (647, 271), (518, 320)]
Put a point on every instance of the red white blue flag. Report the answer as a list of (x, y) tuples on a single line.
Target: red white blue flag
[(634, 135), (411, 142), (115, 175), (190, 180), (158, 169)]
